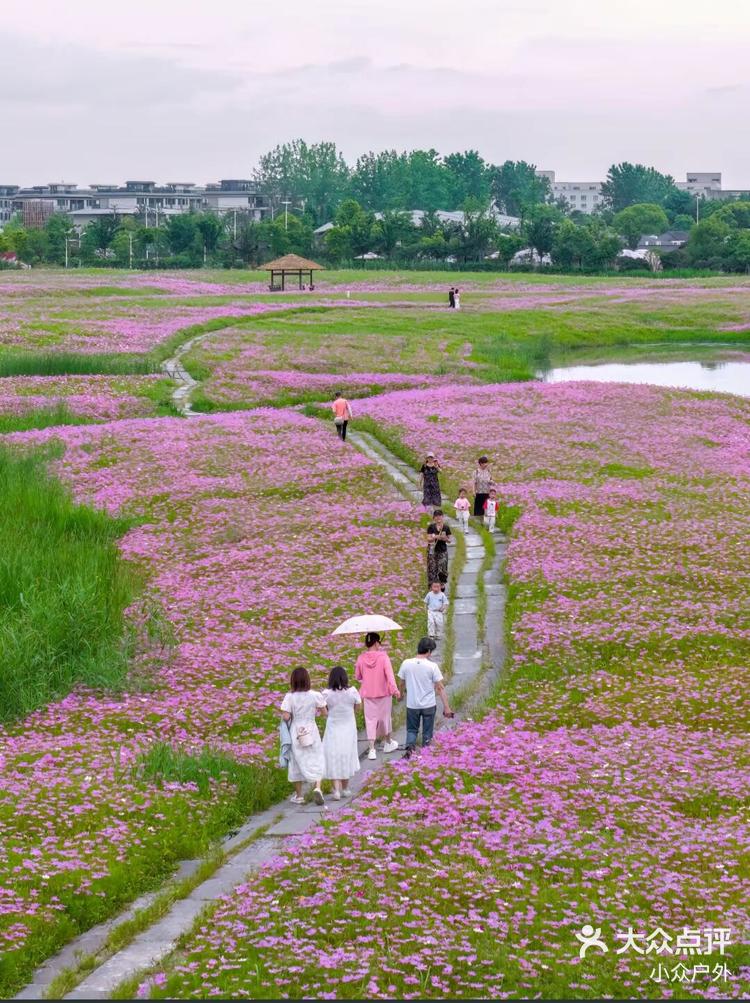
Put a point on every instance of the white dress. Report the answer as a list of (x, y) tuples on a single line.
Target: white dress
[(305, 762), (340, 740)]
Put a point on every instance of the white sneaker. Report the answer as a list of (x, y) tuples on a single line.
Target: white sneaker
[(346, 792), (390, 746), (372, 754), (337, 795), (296, 799), (318, 796)]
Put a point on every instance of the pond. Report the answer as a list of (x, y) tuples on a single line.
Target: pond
[(727, 375)]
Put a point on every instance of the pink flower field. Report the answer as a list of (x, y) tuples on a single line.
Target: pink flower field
[(235, 514), (605, 780), (96, 398), (609, 783)]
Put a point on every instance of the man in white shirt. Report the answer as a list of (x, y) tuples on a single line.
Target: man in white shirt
[(421, 679)]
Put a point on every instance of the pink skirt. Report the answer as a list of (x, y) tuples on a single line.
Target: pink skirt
[(377, 716)]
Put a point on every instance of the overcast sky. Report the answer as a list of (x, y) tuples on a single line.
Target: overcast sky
[(181, 90)]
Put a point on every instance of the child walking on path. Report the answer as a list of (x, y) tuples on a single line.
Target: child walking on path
[(436, 603), (422, 679), (306, 760), (340, 740), (490, 511), (462, 510)]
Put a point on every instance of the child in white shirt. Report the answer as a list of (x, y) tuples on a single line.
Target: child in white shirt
[(490, 511), (462, 510), (436, 603)]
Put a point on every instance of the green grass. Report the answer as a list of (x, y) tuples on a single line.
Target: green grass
[(46, 417), (63, 590), (73, 364), (491, 344), (256, 786)]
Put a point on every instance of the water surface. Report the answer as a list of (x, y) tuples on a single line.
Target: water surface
[(730, 376)]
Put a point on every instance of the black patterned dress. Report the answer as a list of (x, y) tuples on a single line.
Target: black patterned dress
[(431, 496), (437, 556)]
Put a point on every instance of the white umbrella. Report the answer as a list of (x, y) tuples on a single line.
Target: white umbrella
[(365, 623)]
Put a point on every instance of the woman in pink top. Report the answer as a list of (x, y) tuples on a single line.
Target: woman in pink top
[(375, 672)]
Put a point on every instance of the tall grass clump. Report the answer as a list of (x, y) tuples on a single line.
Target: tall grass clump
[(74, 364), (43, 417), (256, 786), (63, 590)]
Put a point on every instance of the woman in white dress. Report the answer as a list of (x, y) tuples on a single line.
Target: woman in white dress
[(306, 762), (340, 740), (457, 295)]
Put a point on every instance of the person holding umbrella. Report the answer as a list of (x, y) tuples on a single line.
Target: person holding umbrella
[(375, 672)]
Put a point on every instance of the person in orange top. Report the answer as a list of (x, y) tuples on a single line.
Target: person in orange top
[(342, 413), (375, 672)]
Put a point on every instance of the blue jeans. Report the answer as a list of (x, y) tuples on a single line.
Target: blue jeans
[(413, 719)]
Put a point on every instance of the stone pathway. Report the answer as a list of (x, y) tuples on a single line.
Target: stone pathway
[(476, 663), (175, 370)]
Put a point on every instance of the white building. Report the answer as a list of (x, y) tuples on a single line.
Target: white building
[(586, 196), (442, 215), (145, 199), (706, 183)]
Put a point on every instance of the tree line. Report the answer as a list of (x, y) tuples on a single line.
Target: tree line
[(368, 206)]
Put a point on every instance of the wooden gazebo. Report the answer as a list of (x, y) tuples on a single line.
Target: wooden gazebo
[(291, 265)]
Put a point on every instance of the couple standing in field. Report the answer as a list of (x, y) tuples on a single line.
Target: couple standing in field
[(335, 757)]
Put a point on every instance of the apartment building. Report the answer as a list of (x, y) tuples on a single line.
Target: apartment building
[(586, 196), (145, 199)]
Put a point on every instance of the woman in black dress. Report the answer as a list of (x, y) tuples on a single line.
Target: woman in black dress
[(438, 535), (430, 475)]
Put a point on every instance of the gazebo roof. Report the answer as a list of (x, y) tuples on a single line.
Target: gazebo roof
[(292, 263)]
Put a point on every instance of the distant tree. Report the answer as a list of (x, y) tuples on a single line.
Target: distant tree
[(391, 231), (249, 243), (353, 233), (516, 187), (506, 245), (380, 181), (181, 232), (638, 219), (679, 203), (539, 228), (708, 242), (604, 247), (469, 178), (682, 222), (210, 229), (58, 228), (736, 214), (428, 181), (314, 175), (478, 233), (570, 244), (98, 236), (737, 251), (288, 236), (630, 184)]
